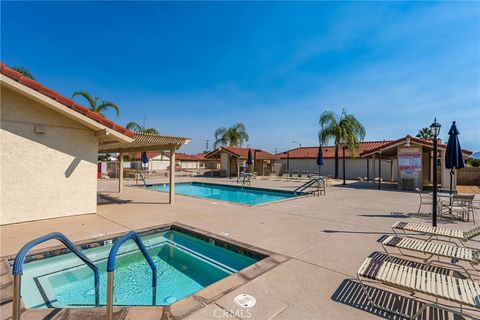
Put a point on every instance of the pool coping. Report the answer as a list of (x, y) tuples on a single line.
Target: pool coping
[(178, 310), (299, 196)]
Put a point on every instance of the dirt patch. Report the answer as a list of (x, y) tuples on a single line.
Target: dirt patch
[(469, 189)]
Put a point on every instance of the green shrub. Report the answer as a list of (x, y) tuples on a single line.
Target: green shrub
[(473, 162)]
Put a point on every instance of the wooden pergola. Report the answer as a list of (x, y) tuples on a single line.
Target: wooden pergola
[(147, 142)]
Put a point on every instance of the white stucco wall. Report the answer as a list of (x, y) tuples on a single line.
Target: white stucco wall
[(44, 175), (354, 167)]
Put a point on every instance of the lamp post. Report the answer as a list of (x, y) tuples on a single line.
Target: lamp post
[(299, 144), (343, 149), (436, 131)]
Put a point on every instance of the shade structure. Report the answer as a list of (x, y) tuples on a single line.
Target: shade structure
[(249, 158), (453, 154)]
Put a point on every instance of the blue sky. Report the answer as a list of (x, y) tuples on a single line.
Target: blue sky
[(193, 67)]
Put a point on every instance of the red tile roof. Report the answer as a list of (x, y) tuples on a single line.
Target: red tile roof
[(243, 153), (150, 155), (329, 151), (32, 84), (425, 142), (186, 157)]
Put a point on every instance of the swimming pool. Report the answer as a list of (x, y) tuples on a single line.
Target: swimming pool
[(238, 194), (185, 265)]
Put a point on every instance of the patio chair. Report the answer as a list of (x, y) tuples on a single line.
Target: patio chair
[(425, 200), (304, 172), (431, 249), (297, 173), (455, 208), (414, 280), (462, 236)]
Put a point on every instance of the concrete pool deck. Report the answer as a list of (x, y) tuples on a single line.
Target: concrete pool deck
[(325, 239)]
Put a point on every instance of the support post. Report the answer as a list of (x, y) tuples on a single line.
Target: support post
[(368, 169), (343, 169), (171, 190), (391, 170), (120, 173), (380, 170), (434, 197)]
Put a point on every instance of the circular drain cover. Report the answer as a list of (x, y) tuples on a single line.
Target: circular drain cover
[(245, 300), (170, 299)]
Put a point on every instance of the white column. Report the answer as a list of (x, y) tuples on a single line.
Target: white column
[(171, 192), (120, 173)]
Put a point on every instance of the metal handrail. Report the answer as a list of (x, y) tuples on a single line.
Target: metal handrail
[(143, 178), (309, 183), (111, 268), (17, 269)]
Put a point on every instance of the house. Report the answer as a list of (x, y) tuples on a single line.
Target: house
[(232, 159), (305, 159), (161, 161), (49, 149)]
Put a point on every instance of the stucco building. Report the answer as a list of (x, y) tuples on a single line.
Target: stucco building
[(49, 148)]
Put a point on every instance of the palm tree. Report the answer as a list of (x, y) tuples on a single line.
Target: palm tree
[(425, 133), (345, 130), (23, 71), (234, 136), (133, 126), (96, 104)]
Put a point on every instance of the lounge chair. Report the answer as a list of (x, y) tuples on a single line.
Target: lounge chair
[(304, 172), (431, 249), (425, 200), (462, 291), (297, 173), (462, 236)]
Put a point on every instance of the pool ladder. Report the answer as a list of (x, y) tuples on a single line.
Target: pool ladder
[(20, 259)]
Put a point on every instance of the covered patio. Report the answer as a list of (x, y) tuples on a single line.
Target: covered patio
[(411, 161), (147, 142)]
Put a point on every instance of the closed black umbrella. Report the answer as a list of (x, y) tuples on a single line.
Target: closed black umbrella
[(453, 155), (320, 158)]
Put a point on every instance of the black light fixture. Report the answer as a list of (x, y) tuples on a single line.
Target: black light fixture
[(343, 149), (435, 126)]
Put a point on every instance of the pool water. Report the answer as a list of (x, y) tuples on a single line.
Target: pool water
[(238, 194), (185, 265)]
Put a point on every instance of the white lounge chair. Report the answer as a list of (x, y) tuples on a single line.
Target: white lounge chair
[(462, 291), (462, 236), (431, 249)]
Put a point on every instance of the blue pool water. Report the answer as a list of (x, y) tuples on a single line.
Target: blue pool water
[(244, 195), (185, 265)]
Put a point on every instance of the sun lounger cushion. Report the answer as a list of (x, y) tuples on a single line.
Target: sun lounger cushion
[(435, 248), (463, 291)]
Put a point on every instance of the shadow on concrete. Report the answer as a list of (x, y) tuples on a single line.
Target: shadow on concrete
[(397, 215), (368, 185), (104, 199), (350, 293), (356, 232)]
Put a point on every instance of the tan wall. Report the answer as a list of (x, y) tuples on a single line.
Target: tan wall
[(44, 175)]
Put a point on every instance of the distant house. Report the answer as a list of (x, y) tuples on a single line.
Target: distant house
[(232, 159), (305, 159), (161, 161)]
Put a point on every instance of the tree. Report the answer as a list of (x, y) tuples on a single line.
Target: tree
[(425, 133), (96, 104), (23, 71), (345, 130), (133, 126), (234, 136)]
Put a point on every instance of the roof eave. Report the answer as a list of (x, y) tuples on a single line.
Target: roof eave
[(99, 129)]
